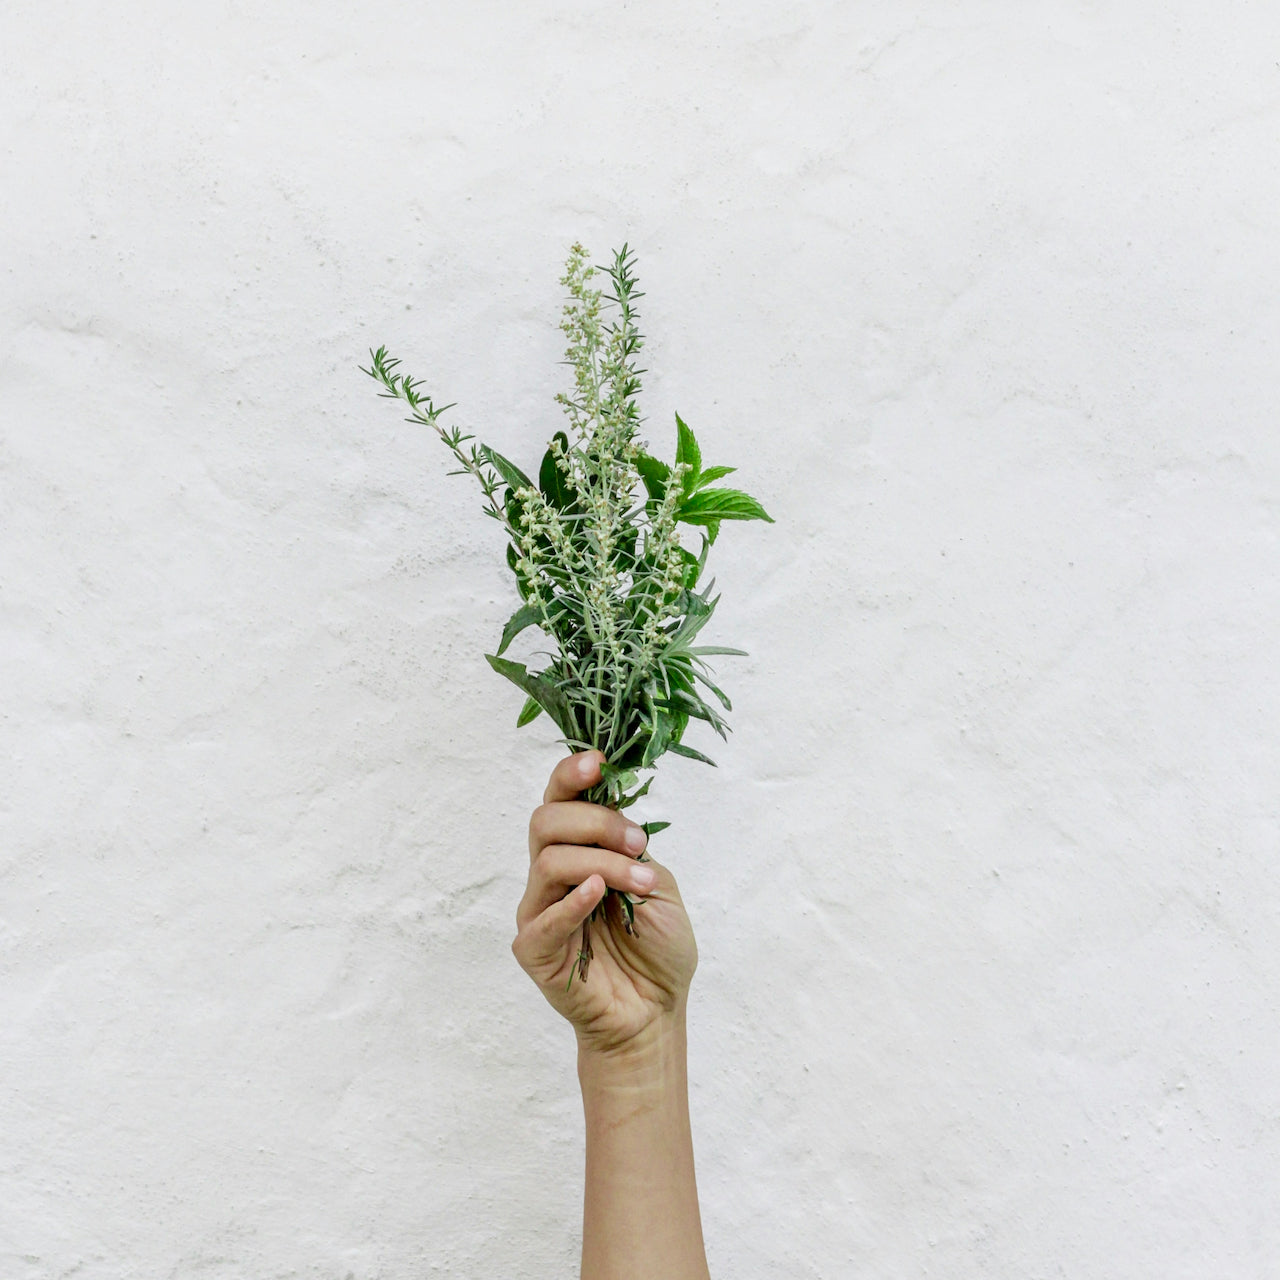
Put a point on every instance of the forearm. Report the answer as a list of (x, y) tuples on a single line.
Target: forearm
[(640, 1217)]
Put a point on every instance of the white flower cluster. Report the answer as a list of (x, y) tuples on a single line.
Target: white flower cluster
[(595, 555)]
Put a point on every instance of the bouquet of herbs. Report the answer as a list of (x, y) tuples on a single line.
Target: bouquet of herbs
[(597, 556)]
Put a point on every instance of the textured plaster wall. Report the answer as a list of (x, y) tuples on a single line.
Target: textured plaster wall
[(984, 300)]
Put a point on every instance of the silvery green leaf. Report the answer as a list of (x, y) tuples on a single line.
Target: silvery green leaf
[(724, 700), (681, 750), (659, 739), (508, 470)]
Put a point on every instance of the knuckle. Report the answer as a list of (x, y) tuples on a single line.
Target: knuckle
[(603, 825), (544, 862), (539, 822)]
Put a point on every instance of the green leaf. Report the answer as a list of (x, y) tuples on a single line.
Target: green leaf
[(630, 908), (617, 780), (515, 478), (522, 583), (528, 713), (541, 690), (514, 508), (713, 473), (687, 451), (654, 472), (707, 539), (692, 567), (691, 704), (658, 740), (681, 750), (705, 650), (680, 725), (552, 481), (652, 828), (697, 613), (526, 616), (720, 693), (713, 505), (627, 801)]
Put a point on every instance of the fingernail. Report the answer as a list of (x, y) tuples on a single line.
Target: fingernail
[(587, 766), (635, 839), (643, 877)]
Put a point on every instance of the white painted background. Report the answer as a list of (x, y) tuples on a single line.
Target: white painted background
[(984, 300)]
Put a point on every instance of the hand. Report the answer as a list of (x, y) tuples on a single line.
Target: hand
[(636, 981)]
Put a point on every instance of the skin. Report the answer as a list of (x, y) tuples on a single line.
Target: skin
[(640, 1216)]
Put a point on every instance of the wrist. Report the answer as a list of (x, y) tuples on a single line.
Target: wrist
[(653, 1059)]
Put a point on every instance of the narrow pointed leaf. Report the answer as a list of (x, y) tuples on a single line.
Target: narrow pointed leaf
[(515, 478), (522, 583), (681, 750), (720, 693), (526, 616), (658, 740), (687, 451), (528, 713)]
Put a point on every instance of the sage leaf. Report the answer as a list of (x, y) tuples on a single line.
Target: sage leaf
[(515, 478)]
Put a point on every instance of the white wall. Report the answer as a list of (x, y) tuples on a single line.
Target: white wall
[(983, 300)]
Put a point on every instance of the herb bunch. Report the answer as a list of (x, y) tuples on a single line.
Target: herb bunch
[(596, 552)]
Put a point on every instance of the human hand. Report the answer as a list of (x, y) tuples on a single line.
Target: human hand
[(636, 981)]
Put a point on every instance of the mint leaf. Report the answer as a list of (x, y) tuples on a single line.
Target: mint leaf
[(687, 451), (711, 505)]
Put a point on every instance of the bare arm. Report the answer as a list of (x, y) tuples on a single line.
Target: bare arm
[(641, 1215)]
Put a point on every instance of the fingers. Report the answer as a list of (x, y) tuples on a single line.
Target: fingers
[(577, 851), (558, 867), (576, 822), (573, 774), (547, 936)]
